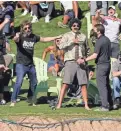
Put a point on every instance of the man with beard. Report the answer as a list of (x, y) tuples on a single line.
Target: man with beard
[(75, 46), (112, 25), (102, 55), (25, 41)]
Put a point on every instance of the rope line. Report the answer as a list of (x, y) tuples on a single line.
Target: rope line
[(56, 124)]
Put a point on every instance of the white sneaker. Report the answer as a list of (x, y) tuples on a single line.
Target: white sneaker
[(25, 12), (47, 19), (3, 102), (12, 104), (35, 19), (31, 13)]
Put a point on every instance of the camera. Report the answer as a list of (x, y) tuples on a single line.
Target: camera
[(99, 4)]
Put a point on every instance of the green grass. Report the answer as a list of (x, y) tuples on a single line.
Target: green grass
[(22, 108)]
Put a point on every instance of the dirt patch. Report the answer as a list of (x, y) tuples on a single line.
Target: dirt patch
[(36, 123)]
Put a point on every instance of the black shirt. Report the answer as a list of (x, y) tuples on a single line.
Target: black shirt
[(103, 50), (25, 49)]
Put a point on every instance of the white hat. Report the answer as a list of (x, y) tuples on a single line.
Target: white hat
[(113, 7)]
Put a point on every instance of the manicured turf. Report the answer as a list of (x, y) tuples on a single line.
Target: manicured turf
[(22, 108)]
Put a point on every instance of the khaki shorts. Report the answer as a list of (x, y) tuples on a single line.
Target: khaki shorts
[(71, 70)]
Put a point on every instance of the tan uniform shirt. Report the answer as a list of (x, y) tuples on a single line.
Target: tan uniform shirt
[(68, 46)]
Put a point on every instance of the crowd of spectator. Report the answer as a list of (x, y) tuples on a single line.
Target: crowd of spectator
[(69, 52)]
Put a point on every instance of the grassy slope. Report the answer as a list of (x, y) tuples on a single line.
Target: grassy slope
[(22, 108)]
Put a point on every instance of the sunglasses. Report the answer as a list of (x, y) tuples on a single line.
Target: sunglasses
[(27, 28), (57, 40), (75, 25)]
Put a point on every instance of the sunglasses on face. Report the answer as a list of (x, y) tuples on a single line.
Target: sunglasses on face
[(57, 40), (75, 25), (27, 28)]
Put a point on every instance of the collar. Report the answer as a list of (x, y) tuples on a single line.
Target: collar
[(100, 36), (74, 32)]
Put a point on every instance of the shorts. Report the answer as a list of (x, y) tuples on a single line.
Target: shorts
[(71, 70), (93, 8), (51, 64), (70, 13)]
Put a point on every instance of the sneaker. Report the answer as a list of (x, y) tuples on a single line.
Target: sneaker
[(35, 19), (47, 19), (116, 103), (25, 12), (18, 100), (31, 13), (12, 104), (2, 102), (60, 24), (102, 109)]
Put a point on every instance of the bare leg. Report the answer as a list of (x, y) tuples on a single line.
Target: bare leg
[(62, 94), (56, 67), (84, 95), (22, 4), (65, 19)]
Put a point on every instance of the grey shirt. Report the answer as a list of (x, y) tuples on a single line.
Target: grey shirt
[(103, 49)]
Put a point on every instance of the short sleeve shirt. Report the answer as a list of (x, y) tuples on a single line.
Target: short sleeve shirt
[(102, 49), (25, 49), (112, 28)]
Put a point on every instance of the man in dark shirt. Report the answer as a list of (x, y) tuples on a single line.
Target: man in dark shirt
[(25, 41), (102, 59)]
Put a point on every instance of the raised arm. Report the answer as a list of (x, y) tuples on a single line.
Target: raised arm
[(16, 38), (48, 49), (99, 17)]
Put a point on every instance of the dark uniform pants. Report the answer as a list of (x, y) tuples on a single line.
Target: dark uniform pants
[(103, 84)]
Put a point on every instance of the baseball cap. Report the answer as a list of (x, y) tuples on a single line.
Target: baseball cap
[(111, 6)]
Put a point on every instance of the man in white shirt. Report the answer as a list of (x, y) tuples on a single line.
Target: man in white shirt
[(112, 25)]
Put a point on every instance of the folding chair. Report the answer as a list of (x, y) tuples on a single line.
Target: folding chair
[(89, 25)]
